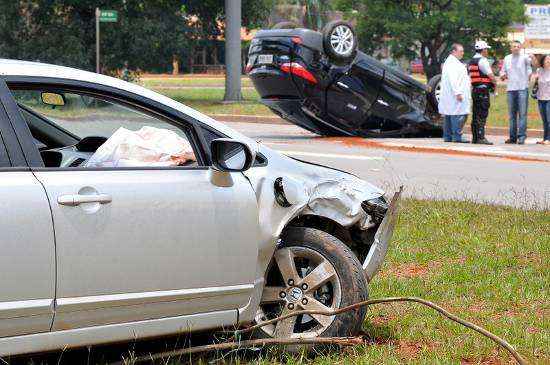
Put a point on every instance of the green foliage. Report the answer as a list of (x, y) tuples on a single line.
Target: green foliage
[(147, 35), (310, 14), (428, 28), (210, 14)]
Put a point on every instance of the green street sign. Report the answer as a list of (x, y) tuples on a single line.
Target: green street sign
[(108, 16)]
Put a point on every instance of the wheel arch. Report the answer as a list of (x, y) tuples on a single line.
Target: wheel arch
[(359, 241)]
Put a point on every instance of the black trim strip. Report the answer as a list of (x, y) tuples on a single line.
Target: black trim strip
[(13, 148), (22, 131)]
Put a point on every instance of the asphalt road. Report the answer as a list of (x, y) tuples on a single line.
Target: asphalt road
[(518, 183)]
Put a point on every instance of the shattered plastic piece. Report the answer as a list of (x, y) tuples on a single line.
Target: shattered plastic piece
[(148, 146)]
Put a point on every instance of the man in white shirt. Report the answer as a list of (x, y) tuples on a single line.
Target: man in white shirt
[(454, 102), (483, 83), (517, 70)]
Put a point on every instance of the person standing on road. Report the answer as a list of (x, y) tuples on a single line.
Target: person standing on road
[(454, 102), (483, 83), (517, 70), (543, 96)]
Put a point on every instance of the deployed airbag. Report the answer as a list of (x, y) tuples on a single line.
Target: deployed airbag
[(148, 146)]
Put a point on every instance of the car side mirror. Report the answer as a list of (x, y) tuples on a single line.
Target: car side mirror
[(230, 155)]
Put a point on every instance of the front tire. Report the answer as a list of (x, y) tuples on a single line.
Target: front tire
[(312, 270)]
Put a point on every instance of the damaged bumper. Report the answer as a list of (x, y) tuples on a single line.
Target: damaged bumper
[(382, 239)]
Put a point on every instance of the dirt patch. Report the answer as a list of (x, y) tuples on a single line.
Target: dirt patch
[(477, 307), (410, 350), (407, 350), (411, 270), (382, 320)]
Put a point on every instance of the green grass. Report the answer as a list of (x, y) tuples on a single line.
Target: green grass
[(209, 100), (187, 81), (489, 265)]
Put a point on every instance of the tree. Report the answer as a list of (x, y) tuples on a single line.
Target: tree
[(429, 27), (147, 34), (210, 15)]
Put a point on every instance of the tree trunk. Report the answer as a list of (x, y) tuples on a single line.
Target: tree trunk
[(430, 61), (175, 65)]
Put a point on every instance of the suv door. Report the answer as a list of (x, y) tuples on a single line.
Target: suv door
[(27, 251), (138, 243), (351, 96)]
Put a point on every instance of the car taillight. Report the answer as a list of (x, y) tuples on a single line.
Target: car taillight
[(296, 40), (298, 70), (248, 68)]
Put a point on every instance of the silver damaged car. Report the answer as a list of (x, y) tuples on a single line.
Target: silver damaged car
[(233, 234)]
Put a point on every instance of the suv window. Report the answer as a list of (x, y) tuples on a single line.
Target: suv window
[(59, 120)]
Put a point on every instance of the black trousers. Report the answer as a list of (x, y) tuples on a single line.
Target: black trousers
[(480, 111)]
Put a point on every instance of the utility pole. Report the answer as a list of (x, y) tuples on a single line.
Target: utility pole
[(97, 12), (233, 67)]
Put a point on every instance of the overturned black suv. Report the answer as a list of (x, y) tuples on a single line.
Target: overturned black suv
[(320, 82)]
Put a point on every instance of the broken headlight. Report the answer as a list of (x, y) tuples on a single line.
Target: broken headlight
[(376, 208)]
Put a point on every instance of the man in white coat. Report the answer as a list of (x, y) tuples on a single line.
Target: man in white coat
[(454, 102)]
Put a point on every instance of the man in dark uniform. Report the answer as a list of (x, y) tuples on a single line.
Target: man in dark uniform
[(483, 83)]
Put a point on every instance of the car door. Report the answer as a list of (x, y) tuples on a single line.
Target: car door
[(351, 96), (27, 251), (137, 243)]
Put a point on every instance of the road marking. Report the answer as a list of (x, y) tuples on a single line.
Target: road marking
[(331, 155)]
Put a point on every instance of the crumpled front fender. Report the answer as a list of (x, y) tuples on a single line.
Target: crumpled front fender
[(379, 247), (311, 190)]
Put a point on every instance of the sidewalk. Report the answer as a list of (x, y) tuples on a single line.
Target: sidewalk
[(530, 151)]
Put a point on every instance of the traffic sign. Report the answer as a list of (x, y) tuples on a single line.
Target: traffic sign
[(108, 16)]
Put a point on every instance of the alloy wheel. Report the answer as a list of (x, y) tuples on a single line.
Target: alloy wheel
[(342, 40), (299, 278)]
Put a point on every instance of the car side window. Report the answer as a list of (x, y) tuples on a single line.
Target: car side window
[(81, 130)]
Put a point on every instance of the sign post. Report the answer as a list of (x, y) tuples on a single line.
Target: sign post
[(97, 40), (102, 16)]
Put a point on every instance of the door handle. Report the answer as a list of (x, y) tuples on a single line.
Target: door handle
[(74, 200)]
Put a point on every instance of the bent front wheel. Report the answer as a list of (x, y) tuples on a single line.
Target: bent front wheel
[(312, 270)]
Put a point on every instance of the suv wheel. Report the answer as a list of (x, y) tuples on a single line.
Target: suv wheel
[(340, 41), (312, 270), (435, 88)]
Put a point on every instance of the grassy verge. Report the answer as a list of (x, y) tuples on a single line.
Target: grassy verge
[(489, 265), (209, 100), (187, 81)]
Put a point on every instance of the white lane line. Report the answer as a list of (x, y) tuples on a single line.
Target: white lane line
[(330, 155)]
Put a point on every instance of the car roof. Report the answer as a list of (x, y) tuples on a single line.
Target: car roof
[(10, 67)]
